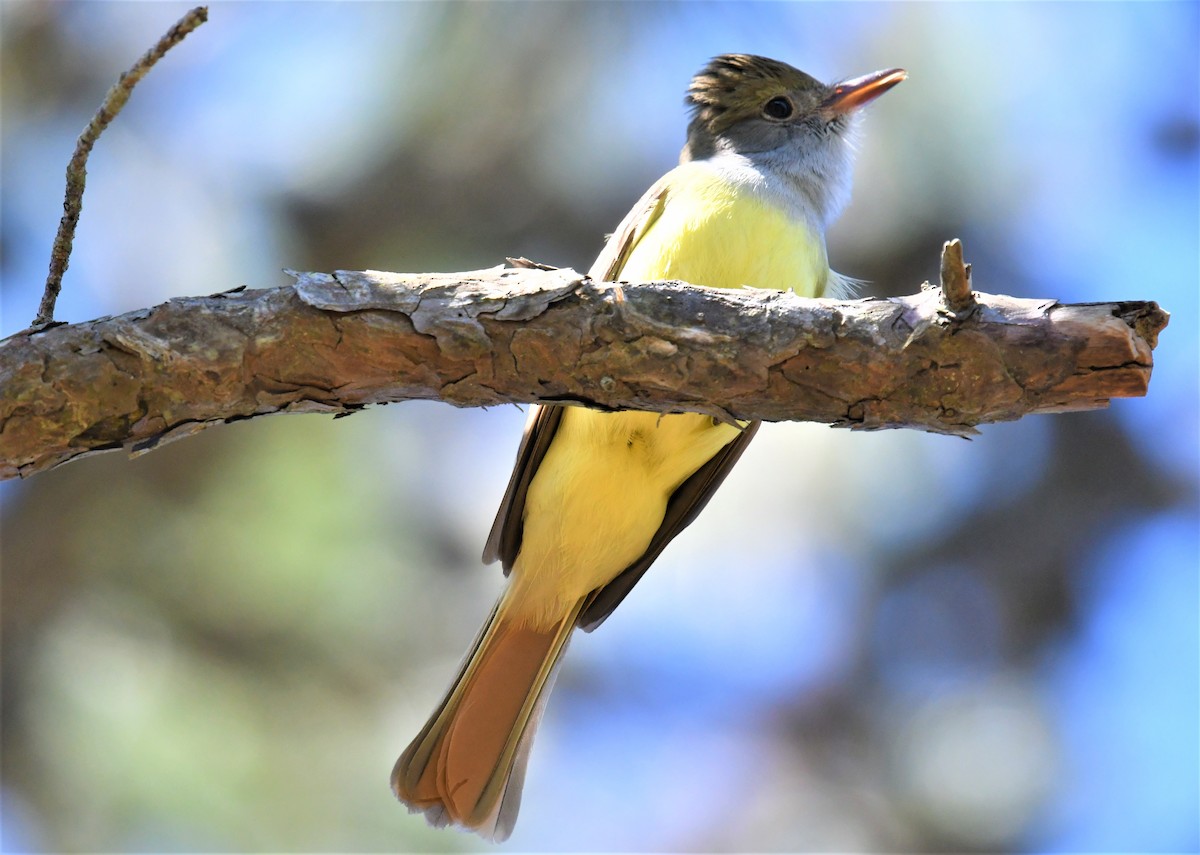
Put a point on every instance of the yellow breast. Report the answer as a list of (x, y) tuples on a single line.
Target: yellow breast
[(715, 232)]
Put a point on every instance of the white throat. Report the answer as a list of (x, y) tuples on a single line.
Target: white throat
[(809, 179)]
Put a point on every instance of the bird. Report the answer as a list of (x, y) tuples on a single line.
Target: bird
[(595, 497)]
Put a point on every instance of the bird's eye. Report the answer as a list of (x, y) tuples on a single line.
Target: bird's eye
[(778, 108)]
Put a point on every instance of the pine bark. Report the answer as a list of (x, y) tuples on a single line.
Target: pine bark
[(335, 343)]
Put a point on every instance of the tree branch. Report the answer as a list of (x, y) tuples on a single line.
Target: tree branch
[(335, 343)]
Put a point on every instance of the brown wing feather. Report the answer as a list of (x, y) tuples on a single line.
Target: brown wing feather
[(611, 260), (504, 540), (683, 507)]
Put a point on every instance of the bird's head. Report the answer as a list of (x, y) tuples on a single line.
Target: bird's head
[(753, 104), (781, 117)]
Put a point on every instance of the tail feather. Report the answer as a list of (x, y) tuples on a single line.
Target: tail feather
[(467, 764)]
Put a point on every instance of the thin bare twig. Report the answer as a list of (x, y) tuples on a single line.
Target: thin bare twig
[(60, 253)]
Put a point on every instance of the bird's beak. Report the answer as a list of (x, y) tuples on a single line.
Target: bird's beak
[(849, 95)]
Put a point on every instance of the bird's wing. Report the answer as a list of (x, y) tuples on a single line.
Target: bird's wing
[(683, 507), (504, 541), (611, 260)]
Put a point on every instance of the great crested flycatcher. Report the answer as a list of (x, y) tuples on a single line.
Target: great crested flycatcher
[(595, 497)]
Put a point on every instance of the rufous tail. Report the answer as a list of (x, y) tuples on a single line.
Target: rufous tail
[(467, 764)]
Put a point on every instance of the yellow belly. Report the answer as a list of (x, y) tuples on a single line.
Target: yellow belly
[(598, 498), (601, 492)]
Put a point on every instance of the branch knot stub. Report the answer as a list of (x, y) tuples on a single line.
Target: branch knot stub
[(956, 281)]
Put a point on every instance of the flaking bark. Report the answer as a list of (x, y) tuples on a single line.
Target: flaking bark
[(335, 343)]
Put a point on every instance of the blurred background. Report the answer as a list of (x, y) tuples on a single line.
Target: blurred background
[(874, 642)]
